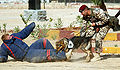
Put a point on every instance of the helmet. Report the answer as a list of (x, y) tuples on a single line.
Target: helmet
[(82, 8)]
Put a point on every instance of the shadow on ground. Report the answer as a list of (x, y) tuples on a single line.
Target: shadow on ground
[(104, 57)]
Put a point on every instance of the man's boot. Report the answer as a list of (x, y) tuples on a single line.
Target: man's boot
[(96, 57)]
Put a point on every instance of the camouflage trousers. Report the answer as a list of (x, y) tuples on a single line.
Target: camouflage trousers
[(97, 36)]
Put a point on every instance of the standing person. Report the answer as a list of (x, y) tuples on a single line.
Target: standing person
[(39, 51), (95, 23)]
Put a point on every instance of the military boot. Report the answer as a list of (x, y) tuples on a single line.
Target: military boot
[(96, 57), (89, 56)]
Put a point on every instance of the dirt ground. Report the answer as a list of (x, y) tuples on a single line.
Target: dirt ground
[(76, 63), (12, 18)]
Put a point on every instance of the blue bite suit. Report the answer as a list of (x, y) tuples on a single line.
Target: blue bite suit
[(37, 52)]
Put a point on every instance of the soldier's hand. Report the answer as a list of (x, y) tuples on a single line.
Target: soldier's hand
[(93, 24)]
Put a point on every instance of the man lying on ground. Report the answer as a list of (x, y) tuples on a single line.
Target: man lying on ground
[(39, 51)]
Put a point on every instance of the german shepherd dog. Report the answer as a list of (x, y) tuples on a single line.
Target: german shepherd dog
[(75, 42)]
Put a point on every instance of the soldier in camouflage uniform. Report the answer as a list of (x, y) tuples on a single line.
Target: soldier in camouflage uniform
[(95, 25)]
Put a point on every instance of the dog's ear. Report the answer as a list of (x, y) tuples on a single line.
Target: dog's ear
[(65, 42)]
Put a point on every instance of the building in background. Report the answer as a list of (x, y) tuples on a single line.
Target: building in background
[(20, 1), (60, 1), (13, 1)]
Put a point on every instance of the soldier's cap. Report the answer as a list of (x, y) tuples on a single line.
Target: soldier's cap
[(82, 8)]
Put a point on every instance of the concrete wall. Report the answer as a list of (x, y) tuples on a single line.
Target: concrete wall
[(55, 5), (77, 5), (59, 34)]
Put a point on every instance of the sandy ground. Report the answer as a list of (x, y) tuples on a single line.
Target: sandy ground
[(77, 63), (11, 18)]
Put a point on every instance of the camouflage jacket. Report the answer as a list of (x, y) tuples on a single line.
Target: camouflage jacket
[(99, 17)]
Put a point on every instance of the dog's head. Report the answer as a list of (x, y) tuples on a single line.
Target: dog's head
[(64, 45)]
